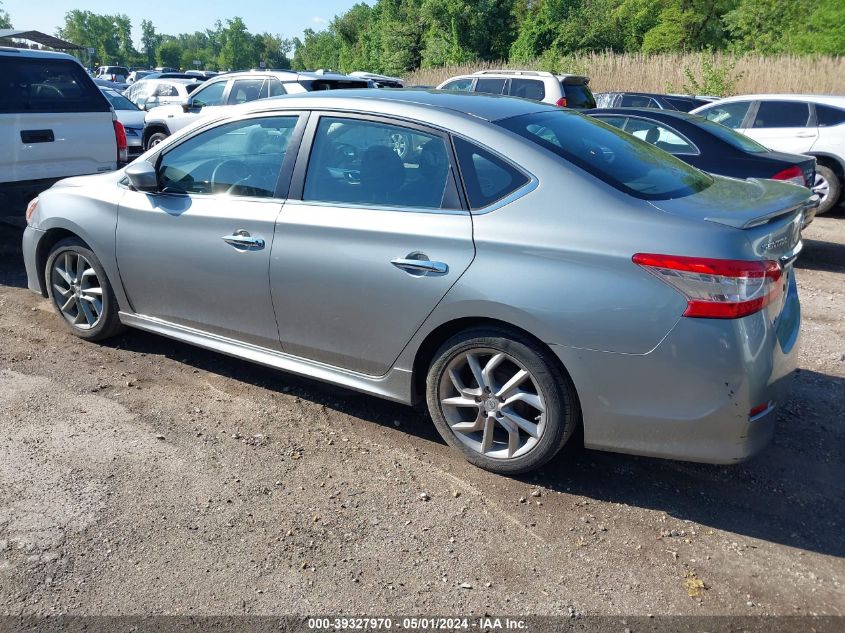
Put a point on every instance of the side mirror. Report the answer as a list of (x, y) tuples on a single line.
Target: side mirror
[(142, 176), (187, 104)]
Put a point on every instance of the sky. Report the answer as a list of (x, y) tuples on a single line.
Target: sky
[(288, 18)]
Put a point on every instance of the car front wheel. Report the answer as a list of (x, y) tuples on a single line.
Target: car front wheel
[(155, 139), (80, 292), (501, 399)]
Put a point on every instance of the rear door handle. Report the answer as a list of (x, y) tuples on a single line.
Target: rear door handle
[(241, 239), (37, 136), (420, 267), (806, 135)]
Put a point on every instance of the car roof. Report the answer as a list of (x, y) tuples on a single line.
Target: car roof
[(408, 102), (289, 75), (507, 72), (834, 100), (28, 52), (645, 112)]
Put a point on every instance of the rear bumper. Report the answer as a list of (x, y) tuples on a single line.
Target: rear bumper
[(691, 396)]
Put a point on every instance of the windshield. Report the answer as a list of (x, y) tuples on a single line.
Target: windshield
[(119, 102), (619, 159), (731, 137)]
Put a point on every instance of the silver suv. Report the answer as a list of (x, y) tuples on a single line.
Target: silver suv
[(236, 88), (566, 91)]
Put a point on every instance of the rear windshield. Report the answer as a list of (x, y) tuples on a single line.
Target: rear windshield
[(47, 85), (331, 84), (729, 136), (619, 159), (578, 96), (118, 101)]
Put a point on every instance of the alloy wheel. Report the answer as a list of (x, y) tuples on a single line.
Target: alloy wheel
[(821, 187), (77, 291), (492, 403)]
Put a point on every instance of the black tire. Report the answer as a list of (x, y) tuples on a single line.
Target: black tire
[(562, 410), (155, 139), (834, 189), (108, 324)]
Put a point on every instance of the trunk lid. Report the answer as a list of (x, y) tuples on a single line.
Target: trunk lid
[(770, 212)]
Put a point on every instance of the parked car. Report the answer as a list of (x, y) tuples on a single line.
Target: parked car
[(567, 91), (799, 124), (236, 88), (137, 75), (202, 74), (54, 123), (710, 146), (114, 85), (481, 277), (381, 81), (117, 74), (171, 75), (132, 119), (149, 93), (684, 103)]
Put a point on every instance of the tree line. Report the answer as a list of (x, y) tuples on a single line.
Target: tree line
[(397, 36)]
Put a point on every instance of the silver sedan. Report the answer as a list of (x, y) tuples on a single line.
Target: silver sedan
[(521, 268)]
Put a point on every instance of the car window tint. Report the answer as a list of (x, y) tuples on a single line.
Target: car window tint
[(615, 121), (527, 89), (578, 96), (244, 90), (487, 178), (490, 86), (828, 115), (605, 99), (618, 158), (728, 114), (210, 95), (360, 162), (239, 158), (782, 114), (458, 84), (48, 85), (638, 101), (732, 137), (660, 136), (275, 88)]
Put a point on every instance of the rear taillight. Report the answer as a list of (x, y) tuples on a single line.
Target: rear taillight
[(717, 288), (791, 174), (561, 102), (120, 137)]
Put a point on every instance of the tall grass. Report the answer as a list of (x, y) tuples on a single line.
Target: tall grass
[(661, 73)]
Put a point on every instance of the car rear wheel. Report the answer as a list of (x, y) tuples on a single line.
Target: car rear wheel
[(155, 139), (828, 187), (501, 399), (80, 291)]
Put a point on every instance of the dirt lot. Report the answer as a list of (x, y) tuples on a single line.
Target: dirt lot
[(149, 477)]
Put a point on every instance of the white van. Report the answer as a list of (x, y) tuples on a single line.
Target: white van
[(54, 123)]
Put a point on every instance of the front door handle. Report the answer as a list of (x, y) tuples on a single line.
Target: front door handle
[(805, 135), (420, 267), (241, 239)]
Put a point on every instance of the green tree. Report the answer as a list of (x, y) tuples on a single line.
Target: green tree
[(93, 30), (149, 42), (5, 20), (169, 52), (236, 52)]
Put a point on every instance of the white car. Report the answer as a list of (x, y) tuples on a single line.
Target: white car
[(54, 123), (150, 93), (794, 123), (564, 90), (236, 88)]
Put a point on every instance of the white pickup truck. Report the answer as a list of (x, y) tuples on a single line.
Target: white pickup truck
[(54, 123)]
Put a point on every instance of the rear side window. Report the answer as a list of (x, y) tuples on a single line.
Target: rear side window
[(731, 137), (48, 85), (661, 136), (615, 121), (490, 86), (244, 90), (458, 84), (828, 115), (578, 96), (487, 178), (527, 89), (619, 159), (638, 101), (728, 114), (782, 114)]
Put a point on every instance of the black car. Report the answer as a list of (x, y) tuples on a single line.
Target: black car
[(684, 103), (708, 145)]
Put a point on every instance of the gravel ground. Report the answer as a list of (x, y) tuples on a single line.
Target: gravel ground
[(145, 476)]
